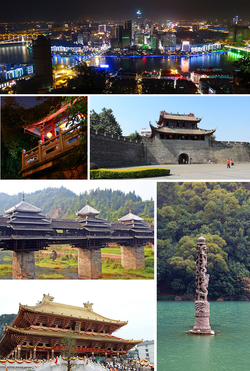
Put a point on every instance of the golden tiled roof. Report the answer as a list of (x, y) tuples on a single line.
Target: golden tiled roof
[(47, 306)]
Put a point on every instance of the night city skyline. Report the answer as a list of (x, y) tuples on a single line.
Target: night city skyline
[(110, 10), (124, 48)]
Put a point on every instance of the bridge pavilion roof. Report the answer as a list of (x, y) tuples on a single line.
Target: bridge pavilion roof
[(136, 224), (88, 211), (23, 206), (25, 216)]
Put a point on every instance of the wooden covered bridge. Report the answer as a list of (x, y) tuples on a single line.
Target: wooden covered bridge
[(24, 230)]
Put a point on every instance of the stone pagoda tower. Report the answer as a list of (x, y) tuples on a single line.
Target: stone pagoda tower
[(202, 307)]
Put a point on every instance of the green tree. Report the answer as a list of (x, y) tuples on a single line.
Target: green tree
[(68, 342), (88, 81), (135, 136), (76, 161), (105, 121), (243, 67)]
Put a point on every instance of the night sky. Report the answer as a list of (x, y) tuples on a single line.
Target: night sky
[(49, 10)]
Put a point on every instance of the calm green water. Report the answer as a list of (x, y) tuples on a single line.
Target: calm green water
[(229, 350)]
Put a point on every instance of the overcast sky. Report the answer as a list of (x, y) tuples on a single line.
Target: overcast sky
[(80, 186), (111, 9), (230, 114), (125, 300)]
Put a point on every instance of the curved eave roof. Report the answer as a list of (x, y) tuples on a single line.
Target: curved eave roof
[(87, 210), (82, 335), (172, 131), (52, 118), (24, 207), (177, 117), (128, 217), (70, 311)]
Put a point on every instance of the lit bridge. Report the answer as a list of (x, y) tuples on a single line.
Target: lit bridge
[(13, 39), (242, 51)]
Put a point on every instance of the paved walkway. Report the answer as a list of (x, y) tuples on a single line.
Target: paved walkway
[(205, 172)]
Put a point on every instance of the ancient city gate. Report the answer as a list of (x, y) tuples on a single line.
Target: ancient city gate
[(24, 230)]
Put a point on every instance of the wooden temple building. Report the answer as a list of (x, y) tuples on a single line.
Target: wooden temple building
[(179, 127), (57, 135), (37, 332), (24, 229)]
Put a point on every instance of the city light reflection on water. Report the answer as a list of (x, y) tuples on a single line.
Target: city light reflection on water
[(20, 54)]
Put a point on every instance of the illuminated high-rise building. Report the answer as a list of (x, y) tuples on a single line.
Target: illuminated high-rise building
[(138, 17), (139, 20), (128, 30), (236, 19), (185, 46), (102, 28)]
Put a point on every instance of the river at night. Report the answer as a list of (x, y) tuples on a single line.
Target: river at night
[(20, 54)]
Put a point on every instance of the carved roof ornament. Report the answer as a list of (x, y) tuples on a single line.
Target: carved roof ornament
[(46, 298), (88, 306)]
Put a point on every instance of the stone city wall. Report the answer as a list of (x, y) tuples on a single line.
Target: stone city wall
[(108, 150), (238, 151), (165, 151), (113, 151), (162, 151)]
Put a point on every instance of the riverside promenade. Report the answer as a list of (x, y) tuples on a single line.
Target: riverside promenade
[(203, 172)]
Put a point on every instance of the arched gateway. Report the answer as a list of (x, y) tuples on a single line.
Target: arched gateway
[(24, 229), (183, 158)]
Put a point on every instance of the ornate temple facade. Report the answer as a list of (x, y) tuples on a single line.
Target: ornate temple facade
[(38, 331)]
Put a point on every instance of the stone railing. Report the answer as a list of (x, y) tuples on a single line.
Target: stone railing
[(51, 148)]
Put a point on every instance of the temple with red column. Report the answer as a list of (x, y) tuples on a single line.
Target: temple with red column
[(38, 331), (48, 127), (58, 133)]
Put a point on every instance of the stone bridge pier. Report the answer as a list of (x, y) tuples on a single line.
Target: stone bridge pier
[(23, 265), (89, 263), (132, 257)]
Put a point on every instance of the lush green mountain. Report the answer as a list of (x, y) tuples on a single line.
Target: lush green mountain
[(219, 212), (61, 203)]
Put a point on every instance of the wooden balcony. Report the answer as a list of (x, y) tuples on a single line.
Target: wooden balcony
[(43, 160)]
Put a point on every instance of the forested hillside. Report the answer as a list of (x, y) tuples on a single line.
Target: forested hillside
[(61, 203), (220, 212), (5, 318)]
